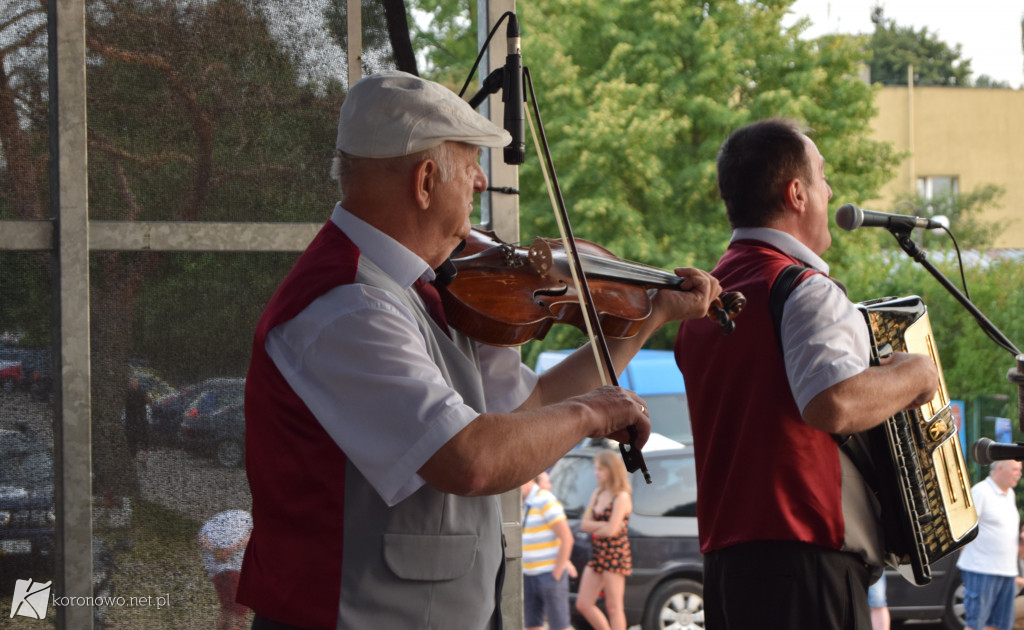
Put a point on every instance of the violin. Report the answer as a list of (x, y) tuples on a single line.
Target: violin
[(505, 295)]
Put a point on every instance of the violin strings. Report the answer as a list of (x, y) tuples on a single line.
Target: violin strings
[(619, 270)]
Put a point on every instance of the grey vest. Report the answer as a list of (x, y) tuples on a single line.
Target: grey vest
[(431, 561)]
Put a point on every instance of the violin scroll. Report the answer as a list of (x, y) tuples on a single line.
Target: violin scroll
[(725, 308)]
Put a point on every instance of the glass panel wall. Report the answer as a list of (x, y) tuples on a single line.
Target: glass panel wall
[(198, 112), (27, 509), (168, 370)]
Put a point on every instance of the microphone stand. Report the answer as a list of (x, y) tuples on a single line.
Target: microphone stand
[(1016, 373), (491, 85)]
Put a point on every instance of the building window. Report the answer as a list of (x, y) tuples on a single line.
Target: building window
[(937, 187)]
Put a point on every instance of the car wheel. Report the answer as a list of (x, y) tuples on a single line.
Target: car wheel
[(675, 605), (953, 616), (230, 453)]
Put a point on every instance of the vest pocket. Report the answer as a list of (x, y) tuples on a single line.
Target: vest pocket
[(430, 558)]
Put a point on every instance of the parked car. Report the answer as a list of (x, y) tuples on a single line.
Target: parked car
[(666, 587), (10, 374), (28, 517), (27, 369), (213, 425), (166, 411), (654, 375), (27, 514)]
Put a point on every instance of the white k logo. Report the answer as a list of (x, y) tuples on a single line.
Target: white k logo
[(30, 599)]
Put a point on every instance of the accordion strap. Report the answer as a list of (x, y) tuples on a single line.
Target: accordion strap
[(855, 446), (784, 284)]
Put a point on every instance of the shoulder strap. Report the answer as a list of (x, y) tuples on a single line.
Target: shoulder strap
[(781, 288), (855, 446)]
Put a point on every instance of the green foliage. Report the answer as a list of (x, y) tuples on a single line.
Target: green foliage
[(972, 363), (201, 115), (198, 322), (894, 48), (985, 81), (448, 43), (26, 303), (636, 100)]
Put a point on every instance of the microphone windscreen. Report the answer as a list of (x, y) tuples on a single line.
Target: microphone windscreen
[(979, 451), (849, 217)]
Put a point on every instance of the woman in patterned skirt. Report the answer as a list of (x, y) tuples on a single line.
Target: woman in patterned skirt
[(607, 519)]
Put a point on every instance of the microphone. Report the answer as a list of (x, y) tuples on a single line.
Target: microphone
[(512, 95), (850, 217), (985, 451)]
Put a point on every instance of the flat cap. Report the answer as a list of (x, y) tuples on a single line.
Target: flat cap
[(390, 114)]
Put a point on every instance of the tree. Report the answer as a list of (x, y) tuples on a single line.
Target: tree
[(637, 100), (386, 34), (894, 48)]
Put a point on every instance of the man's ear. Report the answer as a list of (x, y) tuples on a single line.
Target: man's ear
[(794, 195), (424, 179)]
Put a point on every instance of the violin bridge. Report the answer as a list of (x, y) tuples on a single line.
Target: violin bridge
[(541, 257)]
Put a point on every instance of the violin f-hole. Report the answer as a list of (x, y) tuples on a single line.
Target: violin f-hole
[(553, 292)]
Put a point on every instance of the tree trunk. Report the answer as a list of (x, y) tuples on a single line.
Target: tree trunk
[(114, 472)]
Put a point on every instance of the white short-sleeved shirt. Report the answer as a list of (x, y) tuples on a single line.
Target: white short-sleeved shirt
[(357, 359), (994, 551), (826, 341), (825, 336)]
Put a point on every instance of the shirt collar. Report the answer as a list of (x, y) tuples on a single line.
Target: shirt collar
[(995, 486), (394, 259), (532, 493), (784, 241)]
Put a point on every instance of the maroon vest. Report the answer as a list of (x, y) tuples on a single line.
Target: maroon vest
[(284, 576), (762, 472)]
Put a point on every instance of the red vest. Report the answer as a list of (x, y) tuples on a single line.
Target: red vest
[(762, 472), (286, 447)]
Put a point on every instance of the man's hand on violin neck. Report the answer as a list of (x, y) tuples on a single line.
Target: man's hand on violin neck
[(698, 289), (612, 410)]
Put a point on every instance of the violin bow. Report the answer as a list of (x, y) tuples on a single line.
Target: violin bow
[(631, 455)]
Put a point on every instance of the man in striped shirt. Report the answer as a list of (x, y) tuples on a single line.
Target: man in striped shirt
[(547, 543)]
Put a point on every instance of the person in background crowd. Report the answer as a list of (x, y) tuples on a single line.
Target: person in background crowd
[(222, 540), (786, 521), (879, 605), (988, 564), (547, 545), (607, 520), (136, 423), (378, 438), (1018, 602)]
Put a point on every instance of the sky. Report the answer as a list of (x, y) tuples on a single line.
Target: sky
[(988, 31)]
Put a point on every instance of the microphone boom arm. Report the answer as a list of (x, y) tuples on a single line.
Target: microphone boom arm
[(1015, 374), (491, 85)]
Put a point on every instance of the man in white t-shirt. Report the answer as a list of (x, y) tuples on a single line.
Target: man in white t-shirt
[(988, 564)]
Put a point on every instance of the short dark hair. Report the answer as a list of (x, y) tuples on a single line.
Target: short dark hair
[(754, 164)]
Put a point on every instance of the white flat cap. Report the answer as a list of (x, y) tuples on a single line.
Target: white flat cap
[(390, 114)]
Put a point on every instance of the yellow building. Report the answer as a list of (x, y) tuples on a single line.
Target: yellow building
[(959, 138)]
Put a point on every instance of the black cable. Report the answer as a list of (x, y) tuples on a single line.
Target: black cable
[(480, 55)]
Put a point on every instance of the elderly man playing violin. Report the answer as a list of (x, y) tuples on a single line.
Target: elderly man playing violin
[(377, 439)]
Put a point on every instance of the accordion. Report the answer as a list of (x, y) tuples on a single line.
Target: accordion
[(916, 465)]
